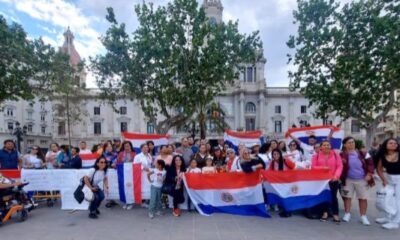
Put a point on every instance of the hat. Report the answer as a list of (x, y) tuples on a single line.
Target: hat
[(230, 150), (255, 144)]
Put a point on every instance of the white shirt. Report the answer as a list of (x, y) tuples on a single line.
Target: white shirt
[(143, 159), (50, 163), (158, 177), (296, 157), (193, 170), (97, 178), (308, 151), (208, 170), (265, 158), (32, 161), (236, 165), (85, 151)]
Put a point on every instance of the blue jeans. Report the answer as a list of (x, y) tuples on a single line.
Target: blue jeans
[(98, 198), (155, 199)]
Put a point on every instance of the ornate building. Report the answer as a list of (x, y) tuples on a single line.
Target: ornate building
[(248, 104)]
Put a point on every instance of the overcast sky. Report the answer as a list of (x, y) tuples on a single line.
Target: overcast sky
[(86, 18)]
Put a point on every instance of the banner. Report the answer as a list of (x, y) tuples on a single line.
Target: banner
[(297, 189), (247, 138), (88, 159), (233, 193), (138, 139), (320, 132)]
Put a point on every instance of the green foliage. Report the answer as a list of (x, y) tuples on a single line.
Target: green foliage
[(347, 58), (174, 60)]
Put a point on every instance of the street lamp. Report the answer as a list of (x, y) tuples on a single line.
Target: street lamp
[(18, 133)]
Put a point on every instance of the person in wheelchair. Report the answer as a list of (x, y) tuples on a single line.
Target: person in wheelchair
[(15, 189)]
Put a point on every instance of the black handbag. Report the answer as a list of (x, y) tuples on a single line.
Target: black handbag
[(78, 194)]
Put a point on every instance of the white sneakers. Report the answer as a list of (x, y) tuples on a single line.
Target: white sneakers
[(151, 215), (127, 206), (390, 225), (346, 217), (363, 219), (382, 220)]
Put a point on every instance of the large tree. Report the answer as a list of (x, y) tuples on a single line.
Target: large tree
[(174, 63), (347, 58)]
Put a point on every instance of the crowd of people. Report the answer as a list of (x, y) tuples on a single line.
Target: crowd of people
[(352, 169)]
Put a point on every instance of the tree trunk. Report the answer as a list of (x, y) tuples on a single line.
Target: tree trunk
[(202, 125), (371, 130)]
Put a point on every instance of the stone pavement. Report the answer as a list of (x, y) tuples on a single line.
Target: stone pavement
[(52, 223)]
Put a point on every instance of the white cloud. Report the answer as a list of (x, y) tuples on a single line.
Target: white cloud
[(62, 14)]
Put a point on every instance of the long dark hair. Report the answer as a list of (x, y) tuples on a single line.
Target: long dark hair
[(173, 165), (264, 148), (382, 152), (284, 146), (345, 140), (97, 161), (297, 146), (123, 146), (40, 154), (277, 143), (281, 159)]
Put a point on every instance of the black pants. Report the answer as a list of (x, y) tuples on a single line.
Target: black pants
[(334, 204), (178, 197)]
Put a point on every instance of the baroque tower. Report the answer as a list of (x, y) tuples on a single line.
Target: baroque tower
[(213, 9)]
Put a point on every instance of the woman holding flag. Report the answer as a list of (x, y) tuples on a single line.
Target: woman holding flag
[(328, 158), (145, 159)]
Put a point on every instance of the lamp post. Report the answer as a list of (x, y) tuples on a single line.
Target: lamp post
[(18, 133)]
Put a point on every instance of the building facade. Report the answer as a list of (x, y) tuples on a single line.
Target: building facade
[(248, 104)]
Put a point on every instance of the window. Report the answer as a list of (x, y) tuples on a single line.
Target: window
[(250, 124), (122, 110), (43, 142), (277, 109), (42, 117), (97, 128), (30, 142), (30, 127), (96, 110), (43, 130), (61, 128), (278, 126), (30, 114), (10, 126), (303, 109), (303, 123), (124, 126), (150, 127), (250, 107), (355, 126), (10, 112), (327, 122), (249, 74)]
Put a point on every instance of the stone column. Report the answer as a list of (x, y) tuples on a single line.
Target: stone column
[(261, 117), (241, 117)]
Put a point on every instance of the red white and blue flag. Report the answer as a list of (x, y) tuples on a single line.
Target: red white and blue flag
[(233, 193), (247, 138), (88, 159), (320, 132), (297, 189), (129, 183), (138, 139)]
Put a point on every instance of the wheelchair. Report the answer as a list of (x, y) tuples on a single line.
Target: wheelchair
[(14, 201)]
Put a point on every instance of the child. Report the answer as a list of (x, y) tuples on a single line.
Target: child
[(193, 167), (209, 168), (156, 178)]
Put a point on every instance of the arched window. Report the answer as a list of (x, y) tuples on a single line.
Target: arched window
[(250, 107)]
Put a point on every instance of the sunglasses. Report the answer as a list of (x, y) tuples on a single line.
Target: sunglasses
[(102, 162), (293, 145)]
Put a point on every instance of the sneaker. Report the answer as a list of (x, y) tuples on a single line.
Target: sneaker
[(382, 220), (93, 216), (179, 211), (364, 220), (390, 225), (151, 215), (129, 207), (175, 212), (97, 212), (159, 213), (276, 208), (347, 217), (125, 206), (145, 205), (28, 206)]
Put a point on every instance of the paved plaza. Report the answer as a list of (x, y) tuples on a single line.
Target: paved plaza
[(52, 223)]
